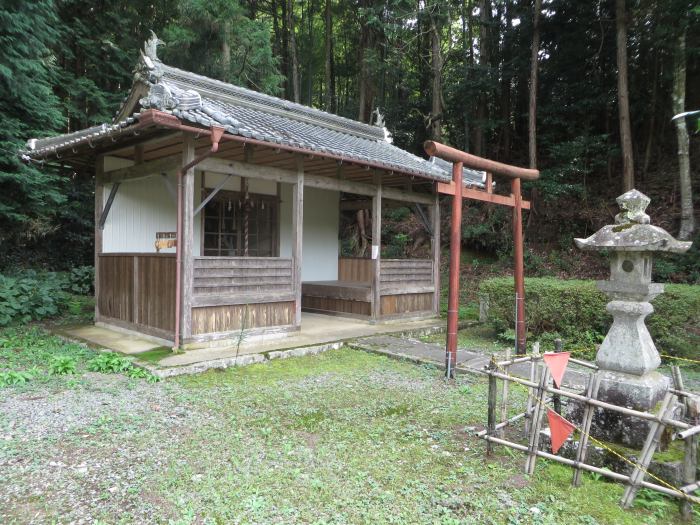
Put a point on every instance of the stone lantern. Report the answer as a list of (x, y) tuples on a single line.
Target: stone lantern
[(628, 357)]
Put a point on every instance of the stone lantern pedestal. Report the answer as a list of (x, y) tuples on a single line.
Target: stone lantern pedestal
[(628, 358)]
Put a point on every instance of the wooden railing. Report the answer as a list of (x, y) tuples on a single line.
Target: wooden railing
[(241, 280), (137, 290), (399, 276)]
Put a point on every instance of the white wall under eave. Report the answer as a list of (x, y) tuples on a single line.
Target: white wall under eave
[(320, 245), (141, 208)]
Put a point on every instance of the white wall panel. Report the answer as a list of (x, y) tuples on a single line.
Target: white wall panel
[(320, 236)]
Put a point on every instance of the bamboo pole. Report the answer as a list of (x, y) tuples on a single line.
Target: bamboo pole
[(622, 410), (533, 372), (581, 453), (590, 468), (536, 422), (504, 396), (648, 450), (493, 393), (558, 346), (690, 458)]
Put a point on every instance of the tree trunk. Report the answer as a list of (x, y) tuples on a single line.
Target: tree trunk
[(485, 63), (366, 85), (435, 122), (226, 51), (623, 97), (652, 118), (506, 78), (328, 83), (532, 109), (679, 80), (293, 59), (466, 62)]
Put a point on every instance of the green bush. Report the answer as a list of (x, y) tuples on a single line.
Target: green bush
[(575, 311), (82, 279), (31, 295)]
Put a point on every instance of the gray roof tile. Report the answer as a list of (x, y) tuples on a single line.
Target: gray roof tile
[(204, 101)]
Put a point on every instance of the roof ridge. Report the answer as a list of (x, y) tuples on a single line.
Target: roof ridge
[(239, 95)]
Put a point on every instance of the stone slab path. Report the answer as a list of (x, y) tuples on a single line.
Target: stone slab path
[(468, 360)]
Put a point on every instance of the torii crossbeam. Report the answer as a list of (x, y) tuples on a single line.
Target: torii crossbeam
[(456, 188)]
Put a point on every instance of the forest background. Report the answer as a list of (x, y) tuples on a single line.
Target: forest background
[(583, 90)]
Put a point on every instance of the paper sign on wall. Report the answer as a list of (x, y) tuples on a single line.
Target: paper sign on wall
[(375, 251)]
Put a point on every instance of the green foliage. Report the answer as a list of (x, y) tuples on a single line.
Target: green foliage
[(15, 377), (63, 364), (82, 279), (31, 295), (32, 354), (113, 363), (109, 363), (575, 311), (28, 107), (202, 24)]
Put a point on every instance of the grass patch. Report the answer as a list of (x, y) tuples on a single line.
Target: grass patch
[(32, 355), (154, 355)]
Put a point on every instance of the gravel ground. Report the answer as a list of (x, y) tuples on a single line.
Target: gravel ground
[(85, 453)]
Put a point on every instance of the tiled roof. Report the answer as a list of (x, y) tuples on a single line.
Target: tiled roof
[(200, 100)]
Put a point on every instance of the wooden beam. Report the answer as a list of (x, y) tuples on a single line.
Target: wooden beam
[(145, 169), (297, 237), (255, 171), (376, 249), (212, 194), (435, 216), (99, 204), (481, 195), (108, 205), (187, 237)]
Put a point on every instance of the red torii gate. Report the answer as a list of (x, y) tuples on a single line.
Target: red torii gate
[(456, 188)]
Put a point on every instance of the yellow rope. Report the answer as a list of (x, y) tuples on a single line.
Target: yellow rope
[(601, 444)]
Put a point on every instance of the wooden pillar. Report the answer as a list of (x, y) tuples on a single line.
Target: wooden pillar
[(377, 249), (297, 238), (519, 268), (436, 252), (187, 235), (99, 205), (455, 254)]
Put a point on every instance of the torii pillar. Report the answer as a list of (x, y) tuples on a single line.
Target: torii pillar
[(457, 189)]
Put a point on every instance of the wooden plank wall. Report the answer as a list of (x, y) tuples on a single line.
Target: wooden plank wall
[(392, 305), (356, 269), (406, 276), (116, 287), (242, 277), (332, 305), (227, 318), (138, 289)]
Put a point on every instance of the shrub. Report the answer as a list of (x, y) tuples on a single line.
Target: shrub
[(113, 363), (63, 364), (31, 295), (109, 363), (82, 279), (575, 310)]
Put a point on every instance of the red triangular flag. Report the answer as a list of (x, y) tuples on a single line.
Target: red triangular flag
[(559, 429), (557, 362)]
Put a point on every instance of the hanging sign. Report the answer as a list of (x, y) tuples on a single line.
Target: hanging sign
[(557, 363), (559, 429)]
